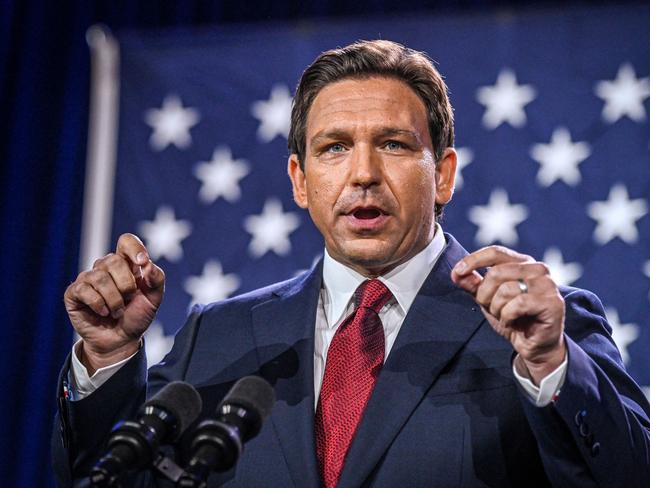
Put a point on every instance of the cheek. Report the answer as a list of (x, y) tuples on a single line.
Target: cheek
[(321, 200), (417, 197), (416, 186), (426, 178), (322, 189)]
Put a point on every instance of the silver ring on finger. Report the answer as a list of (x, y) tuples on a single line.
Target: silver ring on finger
[(523, 287)]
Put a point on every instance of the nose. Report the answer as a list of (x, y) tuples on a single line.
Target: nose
[(366, 167)]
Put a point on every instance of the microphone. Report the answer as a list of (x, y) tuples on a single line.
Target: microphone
[(134, 444), (218, 442)]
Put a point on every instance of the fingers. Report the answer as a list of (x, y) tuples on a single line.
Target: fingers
[(522, 305), (470, 283), (519, 299), (131, 247), (465, 272), (487, 257), (500, 284), (509, 291), (86, 295), (153, 276), (115, 278), (504, 273), (120, 271), (96, 290), (103, 282)]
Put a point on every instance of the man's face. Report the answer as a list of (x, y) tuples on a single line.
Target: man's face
[(371, 181)]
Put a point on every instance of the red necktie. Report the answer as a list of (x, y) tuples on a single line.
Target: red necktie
[(354, 361)]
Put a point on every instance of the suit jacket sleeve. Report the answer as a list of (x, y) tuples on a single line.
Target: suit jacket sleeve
[(597, 433), (82, 428)]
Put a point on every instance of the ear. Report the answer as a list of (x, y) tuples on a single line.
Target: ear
[(446, 176), (298, 181)]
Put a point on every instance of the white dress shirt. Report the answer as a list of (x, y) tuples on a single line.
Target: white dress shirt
[(335, 304)]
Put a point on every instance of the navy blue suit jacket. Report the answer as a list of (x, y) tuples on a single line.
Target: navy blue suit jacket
[(446, 410)]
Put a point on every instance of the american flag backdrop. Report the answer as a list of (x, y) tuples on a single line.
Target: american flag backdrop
[(552, 132)]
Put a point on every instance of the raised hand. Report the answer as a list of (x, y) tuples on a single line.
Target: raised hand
[(521, 302), (111, 305)]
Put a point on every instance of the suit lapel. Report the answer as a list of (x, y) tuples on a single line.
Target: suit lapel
[(441, 320), (283, 328)]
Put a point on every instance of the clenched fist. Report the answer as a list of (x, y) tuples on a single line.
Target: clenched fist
[(111, 305)]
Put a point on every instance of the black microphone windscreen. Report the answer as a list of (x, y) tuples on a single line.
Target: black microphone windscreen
[(182, 401), (252, 392)]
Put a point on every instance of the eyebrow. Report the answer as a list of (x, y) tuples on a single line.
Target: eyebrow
[(393, 131), (328, 135), (335, 134)]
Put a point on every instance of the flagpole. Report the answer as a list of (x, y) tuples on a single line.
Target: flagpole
[(102, 145)]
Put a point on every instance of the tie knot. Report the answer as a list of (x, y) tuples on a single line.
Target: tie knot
[(372, 294)]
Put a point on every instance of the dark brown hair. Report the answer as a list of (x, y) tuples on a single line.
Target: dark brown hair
[(364, 59)]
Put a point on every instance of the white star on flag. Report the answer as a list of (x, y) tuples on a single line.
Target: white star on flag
[(274, 114), (156, 343), (171, 124), (271, 229), (623, 334), (624, 96), (164, 234), (465, 157), (505, 101), (563, 273), (617, 216), (560, 158), (212, 285), (497, 220), (220, 176)]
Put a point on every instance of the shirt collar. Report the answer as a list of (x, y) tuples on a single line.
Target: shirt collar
[(404, 281)]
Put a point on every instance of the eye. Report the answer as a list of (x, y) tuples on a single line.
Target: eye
[(336, 148), (394, 145)]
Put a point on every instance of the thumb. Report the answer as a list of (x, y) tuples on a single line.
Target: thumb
[(131, 247)]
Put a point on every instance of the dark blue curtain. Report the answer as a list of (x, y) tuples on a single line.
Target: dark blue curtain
[(44, 87)]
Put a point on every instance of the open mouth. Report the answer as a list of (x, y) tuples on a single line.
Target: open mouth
[(366, 213), (366, 219)]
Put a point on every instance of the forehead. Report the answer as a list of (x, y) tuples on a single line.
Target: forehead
[(366, 103)]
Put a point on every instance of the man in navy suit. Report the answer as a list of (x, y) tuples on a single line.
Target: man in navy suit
[(482, 373)]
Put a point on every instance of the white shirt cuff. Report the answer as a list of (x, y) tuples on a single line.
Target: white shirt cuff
[(81, 383), (549, 387)]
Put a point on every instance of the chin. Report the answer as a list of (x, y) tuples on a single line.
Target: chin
[(368, 257)]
